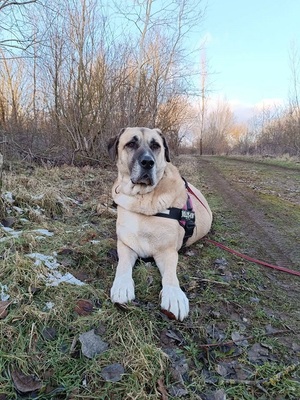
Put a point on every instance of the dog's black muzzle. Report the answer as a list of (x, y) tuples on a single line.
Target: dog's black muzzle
[(143, 167), (146, 161)]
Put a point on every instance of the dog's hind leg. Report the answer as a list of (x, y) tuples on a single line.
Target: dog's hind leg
[(173, 299), (122, 289)]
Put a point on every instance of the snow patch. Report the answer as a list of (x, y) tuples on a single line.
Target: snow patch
[(54, 277), (49, 305), (11, 232), (16, 234), (8, 197), (3, 292), (43, 232), (19, 210)]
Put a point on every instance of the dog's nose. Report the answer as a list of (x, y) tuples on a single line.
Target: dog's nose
[(147, 161)]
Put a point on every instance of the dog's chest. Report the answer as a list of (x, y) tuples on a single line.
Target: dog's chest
[(147, 235)]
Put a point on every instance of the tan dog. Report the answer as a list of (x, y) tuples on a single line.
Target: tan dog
[(148, 184)]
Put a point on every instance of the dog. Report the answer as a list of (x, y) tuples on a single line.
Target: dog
[(147, 190)]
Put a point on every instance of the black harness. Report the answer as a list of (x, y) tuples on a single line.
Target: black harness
[(185, 216)]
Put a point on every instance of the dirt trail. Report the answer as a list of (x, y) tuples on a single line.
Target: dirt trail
[(263, 229)]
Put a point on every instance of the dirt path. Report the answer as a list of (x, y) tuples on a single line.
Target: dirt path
[(262, 228), (263, 205)]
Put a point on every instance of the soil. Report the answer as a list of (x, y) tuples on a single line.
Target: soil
[(255, 216), (265, 202)]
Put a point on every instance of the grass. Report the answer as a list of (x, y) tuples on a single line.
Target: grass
[(64, 201), (284, 161)]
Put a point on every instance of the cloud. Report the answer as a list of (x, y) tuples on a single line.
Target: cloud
[(244, 111), (269, 103)]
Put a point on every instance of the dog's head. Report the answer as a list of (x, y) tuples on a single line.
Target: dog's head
[(141, 154)]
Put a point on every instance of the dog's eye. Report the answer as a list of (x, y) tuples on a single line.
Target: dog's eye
[(131, 145), (154, 146)]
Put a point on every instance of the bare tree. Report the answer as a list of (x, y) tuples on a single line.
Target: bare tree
[(293, 120), (295, 79), (160, 31), (15, 29), (276, 130), (203, 99), (172, 116), (92, 71), (11, 93), (218, 128)]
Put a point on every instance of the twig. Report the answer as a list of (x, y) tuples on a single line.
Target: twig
[(162, 389), (31, 336), (215, 282), (73, 345)]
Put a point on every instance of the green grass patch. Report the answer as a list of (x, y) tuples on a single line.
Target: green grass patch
[(41, 323)]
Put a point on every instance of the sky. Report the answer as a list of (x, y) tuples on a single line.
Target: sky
[(248, 43)]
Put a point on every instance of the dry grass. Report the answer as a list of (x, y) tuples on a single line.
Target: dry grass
[(64, 202)]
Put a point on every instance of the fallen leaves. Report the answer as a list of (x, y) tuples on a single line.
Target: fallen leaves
[(25, 383), (179, 365), (239, 339), (91, 344), (233, 370), (49, 333), (3, 308), (170, 337), (216, 395), (84, 307), (167, 313), (113, 372), (259, 354)]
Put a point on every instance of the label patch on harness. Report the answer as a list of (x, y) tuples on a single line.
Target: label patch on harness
[(187, 215)]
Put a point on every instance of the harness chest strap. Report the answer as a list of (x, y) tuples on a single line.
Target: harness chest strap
[(185, 216)]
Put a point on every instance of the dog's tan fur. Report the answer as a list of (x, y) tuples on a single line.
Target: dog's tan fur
[(140, 194)]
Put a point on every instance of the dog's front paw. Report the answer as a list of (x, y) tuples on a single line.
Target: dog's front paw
[(122, 290), (174, 300)]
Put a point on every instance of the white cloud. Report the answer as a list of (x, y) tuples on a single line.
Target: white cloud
[(244, 111), (269, 103)]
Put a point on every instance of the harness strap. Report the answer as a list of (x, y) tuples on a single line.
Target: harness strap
[(173, 213), (185, 216)]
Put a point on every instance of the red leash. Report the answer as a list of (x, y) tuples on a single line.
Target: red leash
[(196, 197), (265, 264)]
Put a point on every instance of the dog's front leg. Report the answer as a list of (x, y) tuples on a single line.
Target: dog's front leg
[(122, 289), (173, 299)]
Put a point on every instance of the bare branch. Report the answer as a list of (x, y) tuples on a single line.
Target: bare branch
[(7, 3)]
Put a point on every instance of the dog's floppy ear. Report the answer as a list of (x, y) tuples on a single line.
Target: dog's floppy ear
[(166, 147), (112, 145)]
